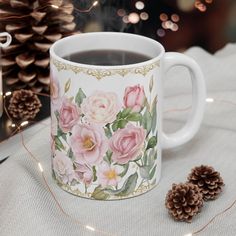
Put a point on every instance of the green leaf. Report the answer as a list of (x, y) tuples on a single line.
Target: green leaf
[(152, 173), (144, 172), (60, 133), (152, 156), (59, 144), (125, 112), (128, 186), (67, 85), (151, 84), (135, 116), (115, 126), (147, 121), (154, 114), (57, 114), (123, 173), (80, 97), (152, 142), (94, 174), (122, 123), (107, 158), (107, 130), (145, 156), (73, 182), (70, 153), (99, 194)]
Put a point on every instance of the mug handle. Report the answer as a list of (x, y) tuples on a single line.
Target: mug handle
[(183, 135), (8, 41)]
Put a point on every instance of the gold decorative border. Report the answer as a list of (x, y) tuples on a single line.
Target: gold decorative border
[(143, 188), (102, 73)]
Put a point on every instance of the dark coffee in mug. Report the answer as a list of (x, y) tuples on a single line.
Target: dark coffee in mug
[(107, 57)]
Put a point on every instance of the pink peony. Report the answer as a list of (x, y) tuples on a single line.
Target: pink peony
[(108, 175), (126, 144), (63, 168), (84, 173), (89, 144), (101, 107), (134, 98), (68, 115)]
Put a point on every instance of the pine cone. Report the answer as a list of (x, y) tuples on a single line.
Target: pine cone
[(34, 25), (24, 105), (184, 201), (208, 180)]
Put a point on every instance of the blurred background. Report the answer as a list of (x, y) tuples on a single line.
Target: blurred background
[(36, 24), (177, 24)]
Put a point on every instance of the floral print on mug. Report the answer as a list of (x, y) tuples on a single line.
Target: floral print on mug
[(105, 147)]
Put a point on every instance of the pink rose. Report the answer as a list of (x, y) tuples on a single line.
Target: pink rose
[(101, 107), (68, 115), (108, 175), (84, 173), (126, 144), (89, 144), (63, 168), (134, 98)]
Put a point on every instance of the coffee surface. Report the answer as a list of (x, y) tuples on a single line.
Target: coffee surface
[(107, 57)]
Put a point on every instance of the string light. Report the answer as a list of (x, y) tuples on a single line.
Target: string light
[(88, 227), (95, 3), (7, 94), (40, 167), (24, 123), (209, 100), (54, 6)]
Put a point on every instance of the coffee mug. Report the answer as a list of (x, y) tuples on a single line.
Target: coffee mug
[(3, 45), (107, 135)]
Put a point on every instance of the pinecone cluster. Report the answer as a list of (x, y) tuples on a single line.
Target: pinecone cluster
[(34, 25), (184, 201), (24, 105), (208, 180)]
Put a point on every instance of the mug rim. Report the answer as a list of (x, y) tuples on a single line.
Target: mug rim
[(140, 64)]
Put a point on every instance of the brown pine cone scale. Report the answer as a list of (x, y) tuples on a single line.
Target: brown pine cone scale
[(208, 180), (34, 26), (24, 105), (184, 201)]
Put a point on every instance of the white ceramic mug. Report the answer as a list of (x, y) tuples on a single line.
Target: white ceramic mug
[(3, 45), (107, 132)]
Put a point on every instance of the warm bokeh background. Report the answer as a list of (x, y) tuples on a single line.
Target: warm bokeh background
[(177, 24)]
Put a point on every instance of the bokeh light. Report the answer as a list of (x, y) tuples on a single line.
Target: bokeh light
[(133, 18), (163, 17), (161, 32), (121, 12), (175, 17), (139, 5), (186, 5), (125, 19), (144, 16)]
